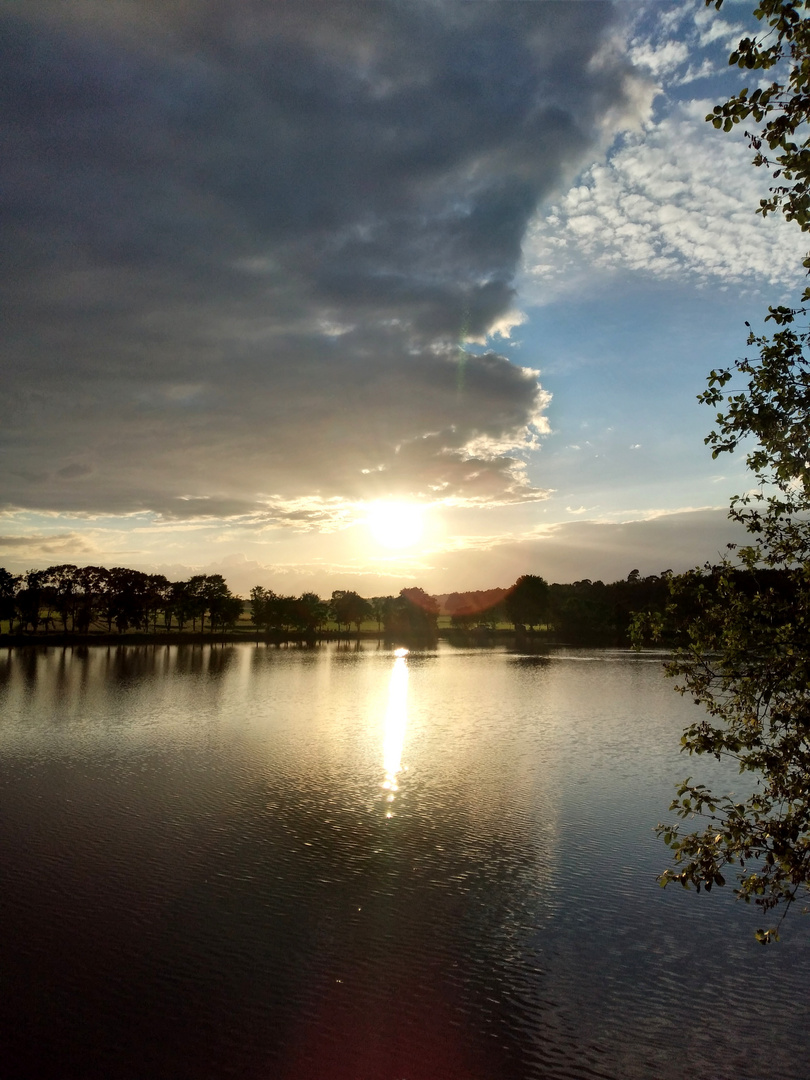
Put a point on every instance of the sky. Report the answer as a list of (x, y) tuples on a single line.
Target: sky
[(364, 296)]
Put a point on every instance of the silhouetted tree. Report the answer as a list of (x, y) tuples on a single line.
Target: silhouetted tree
[(9, 583), (224, 611), (527, 602), (349, 607), (413, 615), (129, 598), (379, 606), (205, 590), (181, 605), (30, 600), (312, 612), (259, 612), (61, 589), (91, 584)]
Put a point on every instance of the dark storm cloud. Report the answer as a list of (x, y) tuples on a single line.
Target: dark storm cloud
[(241, 240)]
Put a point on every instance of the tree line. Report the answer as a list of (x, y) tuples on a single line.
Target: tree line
[(410, 614), (92, 599), (85, 598)]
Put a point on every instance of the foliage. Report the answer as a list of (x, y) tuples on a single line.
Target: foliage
[(526, 603), (781, 108), (478, 608), (8, 587), (379, 608), (595, 613), (746, 621), (312, 612), (774, 408), (747, 663), (88, 596), (207, 593), (348, 607), (412, 616), (92, 598), (287, 614)]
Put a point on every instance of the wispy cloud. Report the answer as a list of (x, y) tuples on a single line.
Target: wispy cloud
[(72, 545)]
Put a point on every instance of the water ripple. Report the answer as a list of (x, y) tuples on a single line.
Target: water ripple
[(205, 876)]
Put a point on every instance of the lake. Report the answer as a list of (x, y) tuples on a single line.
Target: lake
[(341, 863)]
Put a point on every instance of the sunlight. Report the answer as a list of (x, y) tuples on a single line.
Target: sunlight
[(395, 524), (396, 720)]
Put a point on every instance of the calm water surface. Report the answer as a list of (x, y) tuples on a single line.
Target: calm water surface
[(334, 864)]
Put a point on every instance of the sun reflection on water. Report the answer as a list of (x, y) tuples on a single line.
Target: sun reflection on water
[(396, 720)]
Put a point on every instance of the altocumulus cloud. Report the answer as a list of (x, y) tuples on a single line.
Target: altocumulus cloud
[(245, 244), (673, 200)]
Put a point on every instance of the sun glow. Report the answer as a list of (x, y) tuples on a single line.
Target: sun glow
[(395, 525)]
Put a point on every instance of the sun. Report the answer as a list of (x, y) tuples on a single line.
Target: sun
[(395, 524)]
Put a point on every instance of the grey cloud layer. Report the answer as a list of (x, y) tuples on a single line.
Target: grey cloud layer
[(242, 239)]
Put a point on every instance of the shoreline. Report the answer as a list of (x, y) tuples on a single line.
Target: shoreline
[(173, 637), (235, 637)]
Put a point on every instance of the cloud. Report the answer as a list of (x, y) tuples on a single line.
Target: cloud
[(564, 552), (48, 546), (661, 59), (599, 550), (675, 202), (73, 471), (679, 43), (241, 247), (675, 199), (676, 46)]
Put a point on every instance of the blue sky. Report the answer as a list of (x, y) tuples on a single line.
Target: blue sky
[(366, 296)]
